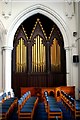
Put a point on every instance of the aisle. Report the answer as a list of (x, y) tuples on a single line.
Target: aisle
[(66, 113), (40, 113)]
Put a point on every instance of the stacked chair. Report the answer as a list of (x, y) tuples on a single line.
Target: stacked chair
[(71, 103), (7, 105), (26, 106), (52, 107)]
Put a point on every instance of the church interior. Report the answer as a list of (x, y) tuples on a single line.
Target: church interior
[(39, 60)]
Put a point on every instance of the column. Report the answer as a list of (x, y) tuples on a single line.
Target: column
[(6, 72), (48, 62), (68, 77)]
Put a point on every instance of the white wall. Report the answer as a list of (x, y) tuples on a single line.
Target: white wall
[(78, 21), (0, 68), (59, 8)]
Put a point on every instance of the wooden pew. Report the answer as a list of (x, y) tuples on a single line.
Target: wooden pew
[(52, 107), (7, 105), (26, 107), (71, 103)]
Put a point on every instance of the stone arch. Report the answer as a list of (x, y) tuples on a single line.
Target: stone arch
[(46, 12), (51, 14), (2, 33)]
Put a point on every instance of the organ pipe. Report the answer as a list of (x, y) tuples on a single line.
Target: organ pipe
[(21, 56), (38, 53)]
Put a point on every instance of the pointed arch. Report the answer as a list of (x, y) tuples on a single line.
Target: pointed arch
[(38, 8), (46, 11), (2, 32)]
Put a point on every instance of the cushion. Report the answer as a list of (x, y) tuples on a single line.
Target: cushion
[(78, 108), (25, 110), (55, 109)]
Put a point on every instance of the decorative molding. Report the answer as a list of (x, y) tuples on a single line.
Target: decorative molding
[(6, 48), (35, 26), (69, 8), (6, 8), (67, 48)]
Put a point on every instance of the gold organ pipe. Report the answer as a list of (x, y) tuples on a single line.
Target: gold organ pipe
[(19, 56), (32, 58), (38, 54), (54, 44), (17, 59), (23, 54), (25, 58), (44, 58), (55, 50), (57, 54), (41, 58), (52, 54), (42, 55)]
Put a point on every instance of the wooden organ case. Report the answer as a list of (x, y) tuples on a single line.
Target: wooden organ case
[(38, 61)]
